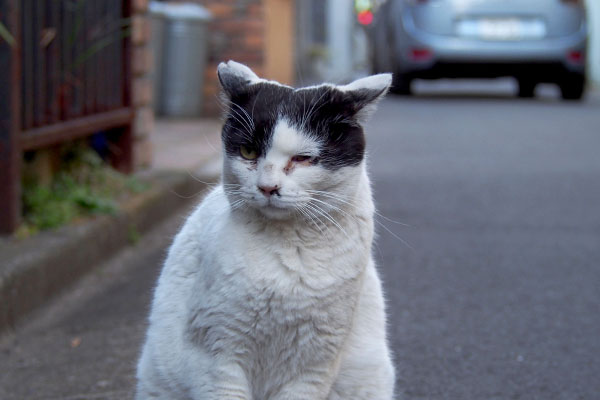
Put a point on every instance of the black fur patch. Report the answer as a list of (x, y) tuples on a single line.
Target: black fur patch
[(325, 113)]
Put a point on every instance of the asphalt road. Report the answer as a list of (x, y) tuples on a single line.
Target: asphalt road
[(498, 295), (493, 289)]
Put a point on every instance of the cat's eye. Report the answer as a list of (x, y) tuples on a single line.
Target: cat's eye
[(300, 158), (248, 153)]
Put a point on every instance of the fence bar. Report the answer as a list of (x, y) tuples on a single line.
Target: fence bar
[(124, 160), (52, 42), (63, 131), (10, 118), (27, 27)]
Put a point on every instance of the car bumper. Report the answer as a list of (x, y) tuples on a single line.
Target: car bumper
[(459, 51)]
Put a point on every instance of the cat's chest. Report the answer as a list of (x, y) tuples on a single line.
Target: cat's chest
[(292, 264), (273, 301)]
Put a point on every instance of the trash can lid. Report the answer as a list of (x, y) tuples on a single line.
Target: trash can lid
[(187, 11), (157, 8)]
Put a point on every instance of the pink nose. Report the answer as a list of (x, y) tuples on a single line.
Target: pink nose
[(269, 190)]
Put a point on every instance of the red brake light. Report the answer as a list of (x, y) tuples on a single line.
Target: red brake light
[(365, 17), (576, 56), (420, 54)]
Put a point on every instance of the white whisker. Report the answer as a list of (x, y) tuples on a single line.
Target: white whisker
[(410, 246)]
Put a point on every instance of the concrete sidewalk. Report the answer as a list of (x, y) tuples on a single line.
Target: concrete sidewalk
[(186, 145), (34, 270)]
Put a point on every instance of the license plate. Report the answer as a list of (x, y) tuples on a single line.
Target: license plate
[(501, 28)]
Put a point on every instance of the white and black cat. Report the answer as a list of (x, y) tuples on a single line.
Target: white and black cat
[(269, 292)]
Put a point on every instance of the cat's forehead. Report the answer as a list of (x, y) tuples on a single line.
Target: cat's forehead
[(271, 96), (290, 139)]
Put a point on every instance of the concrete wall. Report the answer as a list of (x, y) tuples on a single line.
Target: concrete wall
[(593, 8), (279, 40)]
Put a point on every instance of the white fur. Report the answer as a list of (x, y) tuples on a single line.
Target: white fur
[(242, 71), (261, 302), (379, 82)]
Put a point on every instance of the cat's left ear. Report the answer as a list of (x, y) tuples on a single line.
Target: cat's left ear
[(365, 93)]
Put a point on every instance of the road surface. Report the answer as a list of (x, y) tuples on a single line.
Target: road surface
[(493, 288)]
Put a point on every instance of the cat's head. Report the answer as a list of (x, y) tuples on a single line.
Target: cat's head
[(294, 151)]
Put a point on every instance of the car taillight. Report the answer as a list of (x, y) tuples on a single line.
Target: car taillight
[(576, 56), (420, 54)]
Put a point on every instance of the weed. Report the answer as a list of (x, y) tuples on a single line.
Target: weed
[(133, 235), (83, 186)]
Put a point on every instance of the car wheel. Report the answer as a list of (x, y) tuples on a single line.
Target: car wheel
[(401, 85), (526, 88), (572, 86)]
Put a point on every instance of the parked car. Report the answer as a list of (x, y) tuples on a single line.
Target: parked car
[(533, 41)]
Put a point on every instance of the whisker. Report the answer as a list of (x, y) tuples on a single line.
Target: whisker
[(191, 174), (247, 116), (309, 218), (329, 218), (391, 220), (410, 246), (186, 197), (242, 120), (340, 198), (335, 208)]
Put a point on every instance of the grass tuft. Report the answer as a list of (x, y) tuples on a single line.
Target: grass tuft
[(83, 186)]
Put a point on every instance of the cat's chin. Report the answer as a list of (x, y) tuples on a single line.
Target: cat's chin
[(273, 212)]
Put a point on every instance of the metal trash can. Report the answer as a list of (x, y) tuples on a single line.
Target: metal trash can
[(157, 44), (183, 59)]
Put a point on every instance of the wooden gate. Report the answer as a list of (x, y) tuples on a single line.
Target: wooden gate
[(64, 74)]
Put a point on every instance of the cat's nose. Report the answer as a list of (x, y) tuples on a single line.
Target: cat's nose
[(269, 190)]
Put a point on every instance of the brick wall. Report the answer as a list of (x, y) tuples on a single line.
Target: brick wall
[(236, 33), (141, 65)]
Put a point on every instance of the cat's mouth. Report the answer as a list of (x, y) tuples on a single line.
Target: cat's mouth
[(275, 207)]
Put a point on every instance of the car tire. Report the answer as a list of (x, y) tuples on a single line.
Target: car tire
[(526, 88), (401, 85), (572, 86)]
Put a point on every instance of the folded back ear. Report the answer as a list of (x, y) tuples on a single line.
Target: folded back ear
[(235, 78), (365, 93)]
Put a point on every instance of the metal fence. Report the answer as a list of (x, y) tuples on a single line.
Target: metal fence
[(65, 74)]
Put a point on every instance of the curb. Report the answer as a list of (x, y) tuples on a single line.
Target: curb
[(37, 269)]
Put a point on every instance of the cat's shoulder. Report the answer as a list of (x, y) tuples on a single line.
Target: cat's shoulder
[(200, 229), (209, 213)]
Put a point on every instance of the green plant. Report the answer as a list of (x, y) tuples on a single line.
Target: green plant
[(6, 35), (83, 186), (133, 235)]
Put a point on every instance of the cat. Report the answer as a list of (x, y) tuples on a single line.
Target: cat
[(269, 291)]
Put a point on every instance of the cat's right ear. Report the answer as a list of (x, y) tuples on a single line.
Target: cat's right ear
[(235, 78)]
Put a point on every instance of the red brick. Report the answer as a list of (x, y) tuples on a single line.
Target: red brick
[(242, 25), (254, 41), (142, 91), (140, 29), (255, 10), (143, 123), (142, 60), (221, 10), (142, 153), (140, 6), (244, 57)]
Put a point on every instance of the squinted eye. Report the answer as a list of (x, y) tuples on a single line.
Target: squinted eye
[(300, 158), (248, 153)]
